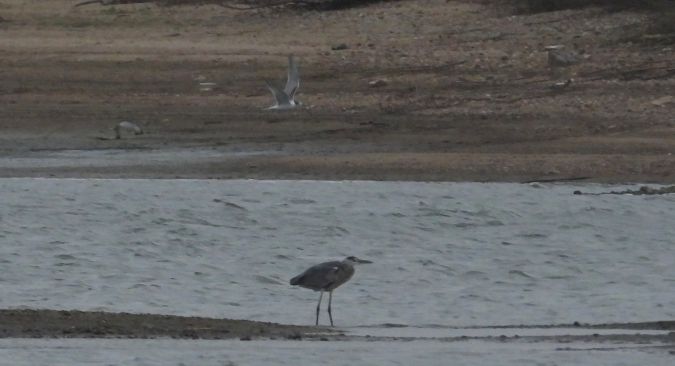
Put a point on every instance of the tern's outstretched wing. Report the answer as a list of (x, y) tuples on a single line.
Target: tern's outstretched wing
[(280, 96), (293, 81)]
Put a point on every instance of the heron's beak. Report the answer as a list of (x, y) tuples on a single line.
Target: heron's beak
[(364, 261)]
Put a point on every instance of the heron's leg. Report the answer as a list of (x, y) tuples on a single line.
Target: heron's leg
[(330, 299), (318, 307)]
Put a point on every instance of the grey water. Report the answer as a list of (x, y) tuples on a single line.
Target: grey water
[(445, 254), (163, 352)]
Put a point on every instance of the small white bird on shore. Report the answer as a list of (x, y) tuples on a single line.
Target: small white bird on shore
[(285, 99), (128, 127)]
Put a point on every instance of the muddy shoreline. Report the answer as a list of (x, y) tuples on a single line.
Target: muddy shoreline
[(460, 91), (45, 323), (94, 324)]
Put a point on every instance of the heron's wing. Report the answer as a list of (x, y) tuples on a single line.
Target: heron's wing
[(280, 96), (293, 81), (319, 276)]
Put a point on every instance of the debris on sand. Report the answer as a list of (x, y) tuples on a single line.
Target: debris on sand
[(206, 87), (557, 57), (127, 126), (562, 85), (661, 102), (377, 83), (560, 59)]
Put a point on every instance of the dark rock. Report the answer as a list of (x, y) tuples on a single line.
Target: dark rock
[(294, 336)]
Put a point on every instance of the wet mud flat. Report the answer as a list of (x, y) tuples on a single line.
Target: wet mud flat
[(46, 323)]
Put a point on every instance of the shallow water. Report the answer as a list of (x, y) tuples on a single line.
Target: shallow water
[(445, 253), (231, 353), (440, 333)]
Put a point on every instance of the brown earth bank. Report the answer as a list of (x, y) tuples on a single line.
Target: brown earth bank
[(96, 324), (408, 90), (44, 323)]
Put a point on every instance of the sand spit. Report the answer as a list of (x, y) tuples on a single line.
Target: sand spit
[(96, 324), (44, 323)]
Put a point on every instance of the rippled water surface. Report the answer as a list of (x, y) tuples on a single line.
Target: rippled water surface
[(445, 253), (233, 353)]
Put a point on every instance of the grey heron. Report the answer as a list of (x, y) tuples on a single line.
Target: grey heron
[(285, 99), (327, 276)]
